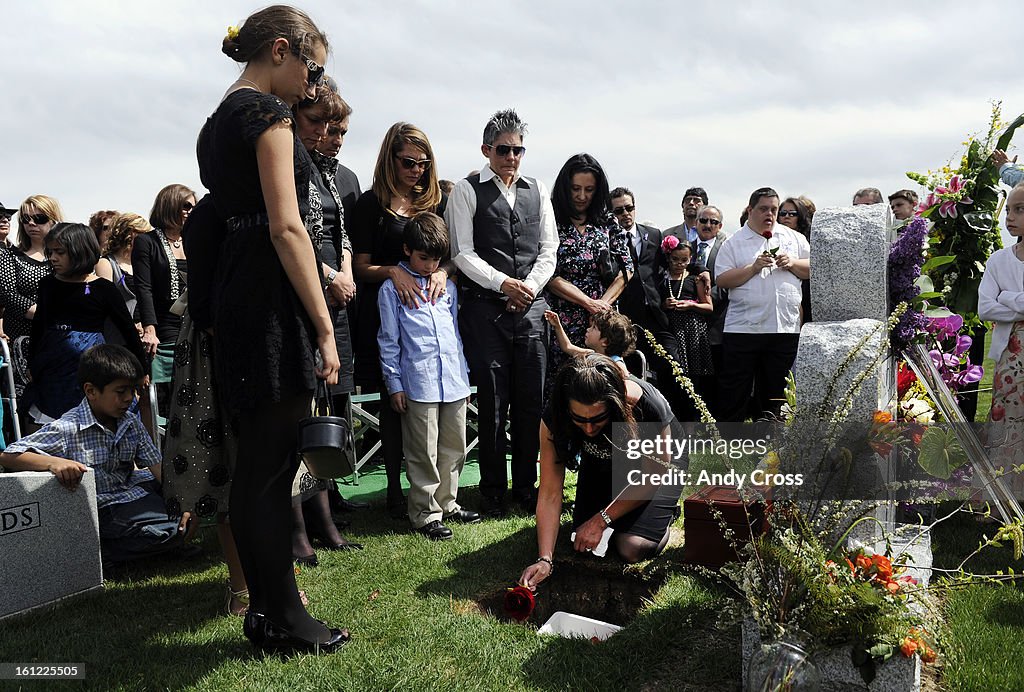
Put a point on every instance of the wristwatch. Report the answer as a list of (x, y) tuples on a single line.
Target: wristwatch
[(607, 519), (329, 279)]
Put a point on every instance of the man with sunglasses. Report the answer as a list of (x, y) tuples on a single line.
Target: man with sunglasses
[(640, 300), (693, 199), (705, 251), (504, 242)]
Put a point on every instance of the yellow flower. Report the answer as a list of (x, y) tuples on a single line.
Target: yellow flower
[(233, 33)]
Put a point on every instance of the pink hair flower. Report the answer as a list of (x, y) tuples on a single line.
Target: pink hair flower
[(669, 243)]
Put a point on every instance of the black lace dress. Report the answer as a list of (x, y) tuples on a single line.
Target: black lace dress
[(264, 342)]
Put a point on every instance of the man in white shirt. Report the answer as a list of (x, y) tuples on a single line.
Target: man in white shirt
[(761, 265), (504, 242)]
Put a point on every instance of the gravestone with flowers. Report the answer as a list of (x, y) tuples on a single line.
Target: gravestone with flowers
[(844, 373)]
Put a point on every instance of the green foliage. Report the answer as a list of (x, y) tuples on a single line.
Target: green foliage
[(940, 453)]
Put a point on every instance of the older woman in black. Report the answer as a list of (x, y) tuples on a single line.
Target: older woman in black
[(589, 396), (404, 184)]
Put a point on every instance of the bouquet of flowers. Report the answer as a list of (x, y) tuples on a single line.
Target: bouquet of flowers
[(963, 206)]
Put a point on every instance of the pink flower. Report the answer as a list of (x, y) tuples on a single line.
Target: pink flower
[(963, 345), (945, 327), (669, 244), (951, 195), (930, 201)]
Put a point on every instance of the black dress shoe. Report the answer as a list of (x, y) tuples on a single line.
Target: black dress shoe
[(492, 507), (397, 507), (462, 516), (350, 505), (306, 560), (436, 531), (526, 500), (270, 638)]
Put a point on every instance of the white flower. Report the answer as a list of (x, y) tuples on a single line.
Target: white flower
[(917, 410)]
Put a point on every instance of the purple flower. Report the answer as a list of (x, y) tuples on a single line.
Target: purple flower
[(945, 327), (963, 344)]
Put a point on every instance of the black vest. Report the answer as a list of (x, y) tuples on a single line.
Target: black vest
[(507, 239)]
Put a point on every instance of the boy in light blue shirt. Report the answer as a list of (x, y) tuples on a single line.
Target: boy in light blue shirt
[(427, 378)]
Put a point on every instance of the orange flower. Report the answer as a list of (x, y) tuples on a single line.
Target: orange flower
[(853, 570), (929, 655), (883, 417), (863, 561), (892, 586), (882, 565), (908, 646)]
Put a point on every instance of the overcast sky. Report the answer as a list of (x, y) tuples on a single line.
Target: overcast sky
[(104, 99)]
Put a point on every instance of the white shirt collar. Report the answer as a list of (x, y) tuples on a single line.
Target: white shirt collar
[(486, 173)]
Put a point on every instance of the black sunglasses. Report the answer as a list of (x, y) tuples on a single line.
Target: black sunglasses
[(593, 419), (505, 149), (784, 214), (624, 209), (316, 72), (713, 222), (5, 218), (37, 219), (409, 164), (187, 206)]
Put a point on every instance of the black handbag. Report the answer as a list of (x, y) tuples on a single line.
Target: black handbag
[(609, 266), (325, 438)]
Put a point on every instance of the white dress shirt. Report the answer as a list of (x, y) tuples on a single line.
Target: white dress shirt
[(459, 217), (1001, 297), (769, 303)]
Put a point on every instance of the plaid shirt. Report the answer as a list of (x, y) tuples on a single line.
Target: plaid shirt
[(113, 456)]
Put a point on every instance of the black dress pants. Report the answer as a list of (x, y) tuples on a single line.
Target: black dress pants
[(754, 372), (507, 356)]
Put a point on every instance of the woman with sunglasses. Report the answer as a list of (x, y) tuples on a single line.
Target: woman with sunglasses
[(588, 237), (22, 267), (797, 214), (270, 317), (311, 514), (588, 398), (5, 230), (404, 185)]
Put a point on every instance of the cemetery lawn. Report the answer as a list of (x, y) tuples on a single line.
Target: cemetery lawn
[(414, 610)]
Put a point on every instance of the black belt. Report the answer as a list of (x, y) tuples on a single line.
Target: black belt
[(238, 223), (478, 293)]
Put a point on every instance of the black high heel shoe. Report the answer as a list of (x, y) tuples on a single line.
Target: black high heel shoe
[(306, 560), (270, 638)]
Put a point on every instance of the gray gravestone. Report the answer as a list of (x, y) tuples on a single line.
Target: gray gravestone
[(849, 262), (49, 540)]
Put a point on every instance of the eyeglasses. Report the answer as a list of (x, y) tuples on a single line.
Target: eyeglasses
[(187, 206), (710, 222), (792, 214), (624, 209), (37, 219), (409, 164), (593, 419), (316, 72), (505, 149)]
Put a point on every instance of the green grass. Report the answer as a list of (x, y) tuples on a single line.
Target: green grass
[(412, 608)]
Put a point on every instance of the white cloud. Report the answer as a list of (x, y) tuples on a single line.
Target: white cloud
[(105, 99)]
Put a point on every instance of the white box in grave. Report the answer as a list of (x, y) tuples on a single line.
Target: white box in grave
[(49, 540)]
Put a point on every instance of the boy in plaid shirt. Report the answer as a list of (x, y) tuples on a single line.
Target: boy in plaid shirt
[(102, 435)]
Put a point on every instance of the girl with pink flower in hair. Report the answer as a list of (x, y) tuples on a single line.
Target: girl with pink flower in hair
[(1001, 301), (686, 299)]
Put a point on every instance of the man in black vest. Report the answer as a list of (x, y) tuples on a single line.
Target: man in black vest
[(705, 251), (504, 241), (640, 300)]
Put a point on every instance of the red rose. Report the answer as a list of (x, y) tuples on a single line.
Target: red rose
[(519, 603), (768, 235), (904, 378)]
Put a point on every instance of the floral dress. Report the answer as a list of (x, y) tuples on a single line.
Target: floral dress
[(1005, 430), (577, 263)]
